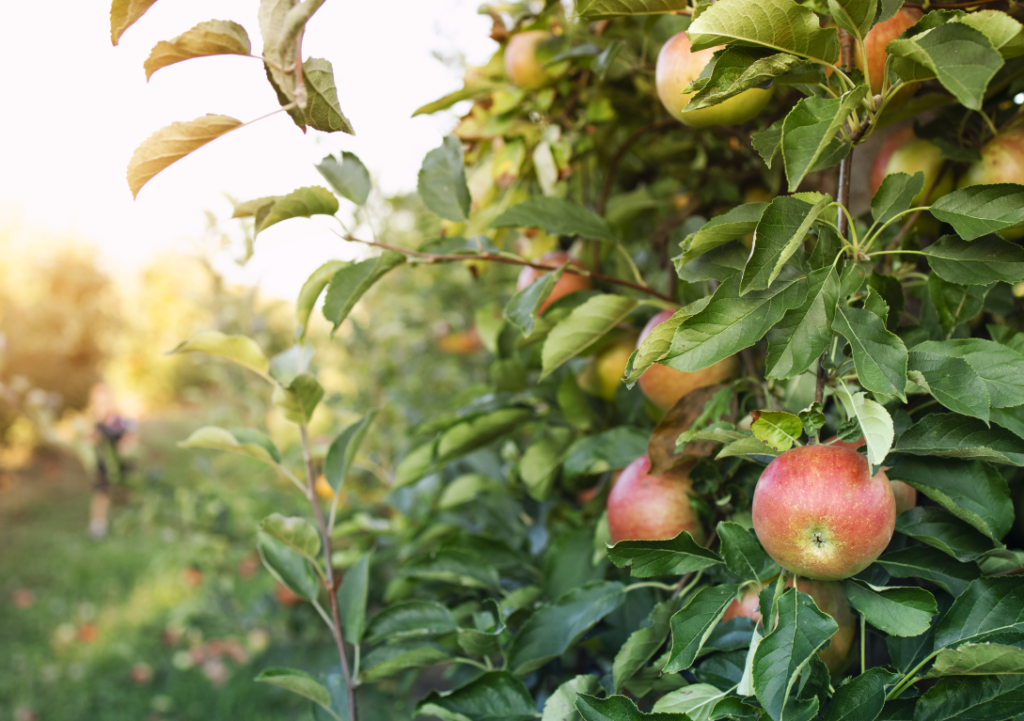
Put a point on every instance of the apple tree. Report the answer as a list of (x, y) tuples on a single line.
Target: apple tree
[(749, 444)]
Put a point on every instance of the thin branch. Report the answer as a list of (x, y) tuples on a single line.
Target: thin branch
[(613, 166), (435, 258), (947, 6)]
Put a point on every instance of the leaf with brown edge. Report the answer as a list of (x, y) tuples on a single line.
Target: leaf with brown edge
[(681, 417), (213, 37), (172, 143), (124, 13)]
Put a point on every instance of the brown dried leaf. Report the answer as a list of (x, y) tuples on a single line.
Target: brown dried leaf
[(662, 446), (173, 143), (214, 37), (124, 13)]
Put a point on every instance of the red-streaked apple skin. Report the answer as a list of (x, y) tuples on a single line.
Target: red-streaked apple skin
[(902, 152), (664, 386), (1002, 161), (905, 495), (646, 507), (678, 66), (521, 63), (829, 597), (876, 41), (818, 512), (568, 283)]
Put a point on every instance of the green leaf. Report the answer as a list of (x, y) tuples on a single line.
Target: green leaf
[(809, 132), (524, 306), (597, 9), (1004, 32), (879, 356), (555, 627), (802, 335), (298, 682), (932, 565), (561, 705), (492, 696), (743, 553), (802, 629), (954, 304), (613, 449), (953, 382), (483, 640), (953, 436), (939, 528), (124, 13), (694, 622), (779, 25), (582, 327), (350, 283), (296, 533), (875, 423), (467, 92), (539, 464), (981, 209), (657, 343), (214, 37), (696, 701), (999, 366), (973, 492), (349, 178), (556, 216), (981, 262), (978, 698), (323, 112), (729, 323), (479, 430), (619, 708), (343, 449), (768, 141), (991, 610), (244, 441), (299, 398), (720, 264), (410, 619), (388, 660), (748, 447), (738, 69), (311, 291), (249, 208), (641, 644), (457, 566), (777, 429), (978, 659), (442, 181), (735, 223), (854, 16), (779, 233), (288, 567), (962, 58), (895, 610), (301, 203), (335, 684), (236, 348), (861, 698), (895, 195), (352, 597), (675, 557)]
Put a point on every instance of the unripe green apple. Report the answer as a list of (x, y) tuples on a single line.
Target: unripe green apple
[(678, 66), (902, 152), (521, 64), (875, 43), (604, 374), (829, 597), (646, 507), (905, 495), (568, 283), (665, 386), (819, 513), (1002, 161)]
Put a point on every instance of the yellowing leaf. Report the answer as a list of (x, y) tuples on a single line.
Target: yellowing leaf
[(124, 13), (214, 37), (172, 143)]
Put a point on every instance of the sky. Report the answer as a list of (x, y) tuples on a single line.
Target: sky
[(72, 123)]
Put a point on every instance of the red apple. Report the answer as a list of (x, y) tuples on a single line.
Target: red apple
[(678, 66), (604, 374), (568, 283), (905, 495), (665, 386), (819, 513), (646, 507), (902, 152), (521, 64), (829, 598), (875, 43)]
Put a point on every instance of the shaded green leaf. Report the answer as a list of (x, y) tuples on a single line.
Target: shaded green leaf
[(802, 335), (350, 283), (641, 644), (779, 234), (809, 133), (236, 348), (977, 698), (442, 181), (352, 597), (561, 705), (410, 619), (895, 610), (301, 203), (743, 554), (979, 262), (693, 623), (981, 209), (978, 659), (895, 195), (879, 356), (939, 528), (954, 436), (557, 217), (930, 564), (674, 557), (349, 178), (582, 327), (244, 441)]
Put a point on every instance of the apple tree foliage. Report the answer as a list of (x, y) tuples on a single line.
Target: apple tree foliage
[(898, 324)]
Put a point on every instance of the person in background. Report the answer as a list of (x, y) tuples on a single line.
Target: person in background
[(112, 436)]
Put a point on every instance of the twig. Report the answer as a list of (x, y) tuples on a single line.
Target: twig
[(945, 6), (613, 166), (326, 540), (905, 230), (435, 258)]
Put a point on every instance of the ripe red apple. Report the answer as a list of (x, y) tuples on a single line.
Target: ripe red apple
[(665, 386), (678, 66), (875, 43), (646, 507), (829, 598), (604, 374), (521, 64), (902, 152), (905, 495), (1002, 161), (568, 283), (819, 513)]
